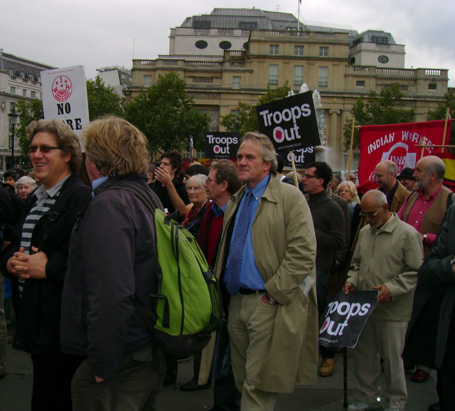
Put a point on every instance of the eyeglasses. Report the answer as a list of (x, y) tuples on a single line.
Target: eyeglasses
[(309, 176), (370, 214), (193, 188), (45, 148)]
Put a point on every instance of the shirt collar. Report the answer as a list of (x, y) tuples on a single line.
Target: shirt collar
[(98, 181), (53, 190), (432, 196), (259, 188)]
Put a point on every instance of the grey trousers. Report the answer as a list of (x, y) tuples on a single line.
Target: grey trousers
[(134, 387)]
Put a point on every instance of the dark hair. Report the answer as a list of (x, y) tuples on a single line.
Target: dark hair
[(323, 171), (227, 171), (196, 169), (11, 173), (176, 160)]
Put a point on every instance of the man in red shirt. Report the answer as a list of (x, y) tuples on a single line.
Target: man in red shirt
[(221, 184)]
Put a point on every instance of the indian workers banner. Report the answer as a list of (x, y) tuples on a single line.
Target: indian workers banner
[(291, 125), (65, 96), (396, 142), (344, 318), (222, 145)]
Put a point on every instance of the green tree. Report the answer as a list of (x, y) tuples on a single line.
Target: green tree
[(386, 108), (102, 100), (166, 114), (244, 118), (28, 111), (440, 114)]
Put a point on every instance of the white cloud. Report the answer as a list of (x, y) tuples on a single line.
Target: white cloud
[(100, 33)]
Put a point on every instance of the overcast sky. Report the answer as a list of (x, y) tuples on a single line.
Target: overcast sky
[(100, 33)]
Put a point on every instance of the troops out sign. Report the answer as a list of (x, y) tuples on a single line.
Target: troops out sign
[(65, 96), (222, 145), (301, 157), (345, 317), (291, 125)]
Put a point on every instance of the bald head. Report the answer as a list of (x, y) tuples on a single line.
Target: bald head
[(429, 174), (375, 208), (385, 175)]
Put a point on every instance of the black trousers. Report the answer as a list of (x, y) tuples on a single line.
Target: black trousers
[(446, 373), (52, 374)]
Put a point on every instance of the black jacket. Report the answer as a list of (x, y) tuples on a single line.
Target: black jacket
[(38, 319), (431, 331), (112, 260)]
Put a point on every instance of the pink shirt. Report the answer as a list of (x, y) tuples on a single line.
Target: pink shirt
[(417, 212)]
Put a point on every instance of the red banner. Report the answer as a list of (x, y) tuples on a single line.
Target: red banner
[(396, 142)]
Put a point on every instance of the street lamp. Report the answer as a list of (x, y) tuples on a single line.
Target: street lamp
[(13, 120)]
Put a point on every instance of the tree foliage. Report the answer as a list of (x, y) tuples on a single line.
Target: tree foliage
[(166, 114), (28, 111), (244, 118), (386, 108), (102, 100), (440, 114)]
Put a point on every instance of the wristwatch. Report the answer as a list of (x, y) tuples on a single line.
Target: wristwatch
[(270, 299)]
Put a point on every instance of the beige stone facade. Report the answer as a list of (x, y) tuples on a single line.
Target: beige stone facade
[(322, 60)]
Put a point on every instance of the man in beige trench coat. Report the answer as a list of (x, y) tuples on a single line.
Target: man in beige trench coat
[(266, 260)]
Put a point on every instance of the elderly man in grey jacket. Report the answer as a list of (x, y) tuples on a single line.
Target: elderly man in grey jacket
[(387, 257)]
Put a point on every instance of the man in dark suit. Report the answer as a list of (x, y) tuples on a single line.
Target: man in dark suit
[(431, 332)]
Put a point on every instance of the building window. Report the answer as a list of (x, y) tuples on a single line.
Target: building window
[(225, 45), (213, 114), (379, 40), (273, 74), (432, 86), (201, 44), (31, 78), (360, 83), (236, 81), (298, 75), (323, 51), (24, 92), (40, 96), (147, 80), (298, 50), (274, 49), (33, 94), (323, 77), (248, 25), (12, 90)]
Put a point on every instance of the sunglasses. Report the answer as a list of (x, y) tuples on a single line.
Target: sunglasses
[(45, 148)]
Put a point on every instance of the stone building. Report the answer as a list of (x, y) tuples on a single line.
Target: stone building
[(19, 79), (233, 55)]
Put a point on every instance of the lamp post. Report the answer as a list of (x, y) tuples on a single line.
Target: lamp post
[(13, 120)]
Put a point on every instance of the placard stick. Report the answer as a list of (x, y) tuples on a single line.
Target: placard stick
[(444, 136), (296, 181), (352, 143)]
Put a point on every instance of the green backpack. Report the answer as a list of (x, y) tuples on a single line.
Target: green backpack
[(186, 304)]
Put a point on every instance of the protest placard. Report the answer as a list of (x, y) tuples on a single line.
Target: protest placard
[(344, 318)]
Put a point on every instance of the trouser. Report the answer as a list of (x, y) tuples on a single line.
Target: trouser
[(250, 328), (446, 373), (322, 281), (3, 330), (134, 387), (52, 374), (226, 396), (381, 339)]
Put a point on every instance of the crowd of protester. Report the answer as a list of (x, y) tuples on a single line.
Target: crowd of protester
[(75, 256)]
